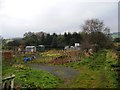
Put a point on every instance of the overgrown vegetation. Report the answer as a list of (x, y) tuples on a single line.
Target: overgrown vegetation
[(96, 71), (96, 67), (26, 77)]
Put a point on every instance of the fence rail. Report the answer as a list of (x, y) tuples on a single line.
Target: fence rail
[(8, 83)]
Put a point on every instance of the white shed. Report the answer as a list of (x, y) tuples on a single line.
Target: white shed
[(77, 44), (30, 49)]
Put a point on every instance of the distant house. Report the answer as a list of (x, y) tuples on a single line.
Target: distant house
[(30, 49)]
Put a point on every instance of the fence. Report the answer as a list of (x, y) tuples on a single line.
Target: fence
[(8, 83)]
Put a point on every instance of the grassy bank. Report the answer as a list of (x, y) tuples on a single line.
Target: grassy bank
[(28, 78), (96, 71)]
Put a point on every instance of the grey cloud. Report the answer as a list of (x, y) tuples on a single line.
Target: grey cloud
[(60, 17)]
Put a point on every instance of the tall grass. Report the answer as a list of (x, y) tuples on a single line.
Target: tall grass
[(96, 71)]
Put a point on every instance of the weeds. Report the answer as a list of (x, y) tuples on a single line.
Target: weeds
[(96, 71)]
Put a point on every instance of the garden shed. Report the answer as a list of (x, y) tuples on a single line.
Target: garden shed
[(30, 49), (40, 48)]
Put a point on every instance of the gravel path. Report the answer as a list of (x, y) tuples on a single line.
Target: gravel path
[(61, 71)]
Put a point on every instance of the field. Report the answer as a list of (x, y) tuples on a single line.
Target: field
[(64, 69)]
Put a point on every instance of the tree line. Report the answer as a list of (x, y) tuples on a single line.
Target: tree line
[(53, 41), (94, 32)]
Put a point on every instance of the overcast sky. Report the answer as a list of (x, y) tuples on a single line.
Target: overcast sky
[(59, 16)]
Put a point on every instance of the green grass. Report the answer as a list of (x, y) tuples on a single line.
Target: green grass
[(27, 77), (96, 71)]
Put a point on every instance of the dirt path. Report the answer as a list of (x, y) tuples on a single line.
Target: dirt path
[(60, 71)]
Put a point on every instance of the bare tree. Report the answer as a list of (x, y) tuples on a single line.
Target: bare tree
[(96, 33), (94, 25)]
